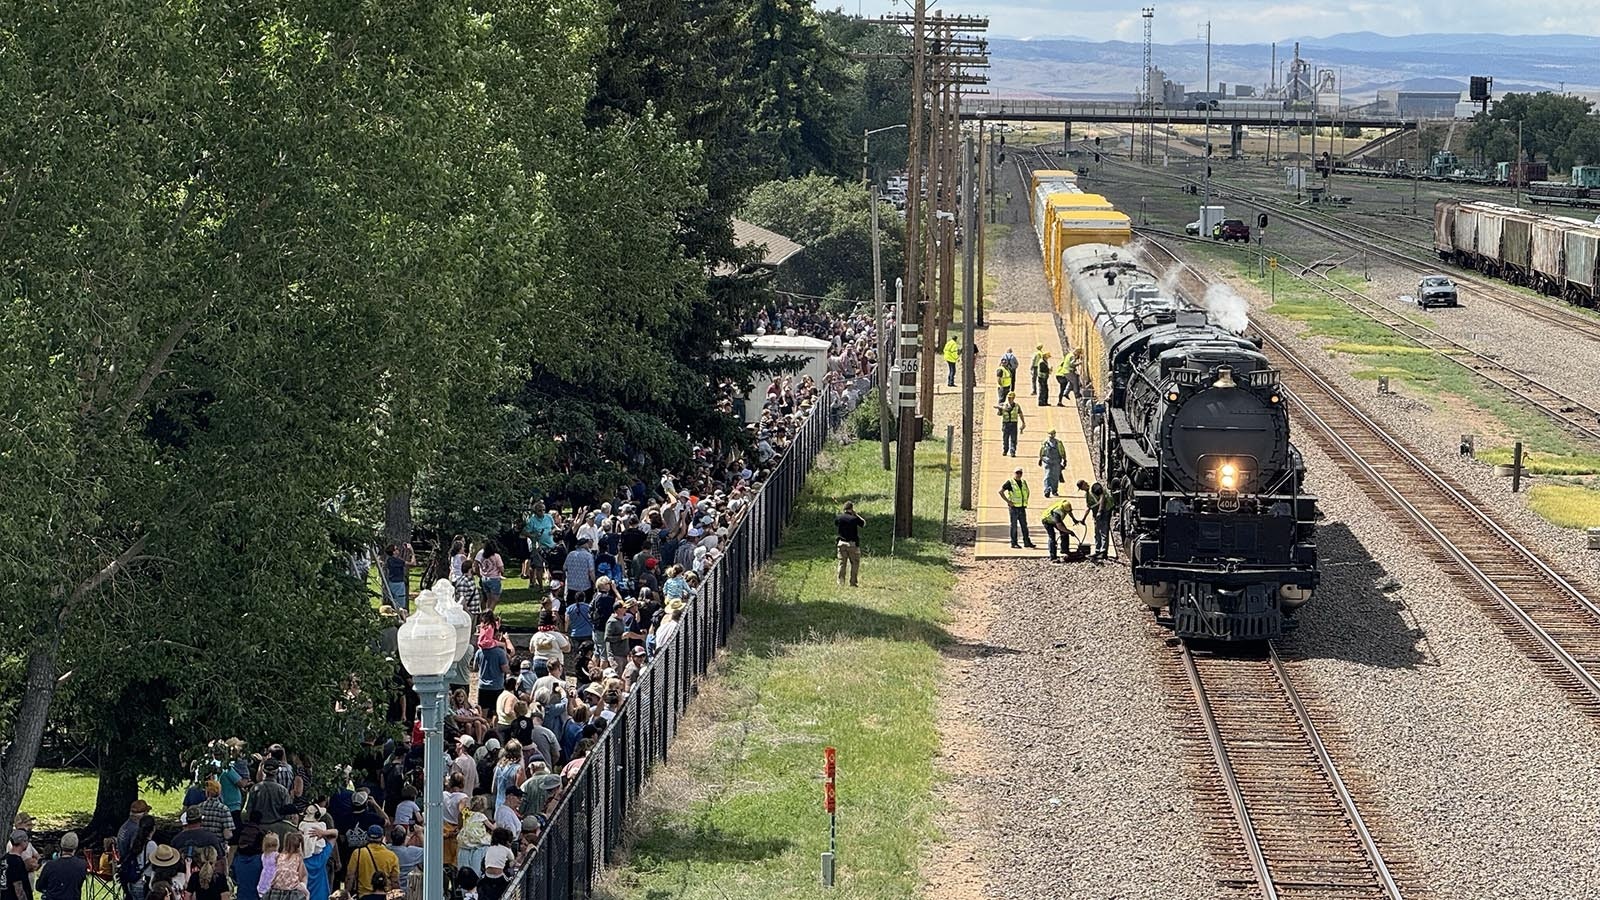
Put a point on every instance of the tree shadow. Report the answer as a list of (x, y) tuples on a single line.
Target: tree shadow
[(706, 845)]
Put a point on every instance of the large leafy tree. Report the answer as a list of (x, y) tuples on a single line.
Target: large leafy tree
[(833, 219), (236, 235), (1562, 129)]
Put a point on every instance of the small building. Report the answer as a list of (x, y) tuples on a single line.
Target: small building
[(1419, 104), (812, 353)]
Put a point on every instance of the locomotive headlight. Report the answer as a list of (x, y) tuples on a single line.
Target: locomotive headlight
[(1172, 396), (1276, 399), (1229, 476)]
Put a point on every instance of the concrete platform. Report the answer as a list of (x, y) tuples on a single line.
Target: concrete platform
[(1022, 332)]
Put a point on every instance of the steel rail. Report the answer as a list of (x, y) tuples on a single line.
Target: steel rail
[(1346, 798), (1230, 780), (1555, 404), (1551, 312), (1465, 505)]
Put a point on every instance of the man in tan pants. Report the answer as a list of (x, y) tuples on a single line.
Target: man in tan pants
[(849, 525)]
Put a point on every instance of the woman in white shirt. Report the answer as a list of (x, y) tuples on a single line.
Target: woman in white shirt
[(497, 863)]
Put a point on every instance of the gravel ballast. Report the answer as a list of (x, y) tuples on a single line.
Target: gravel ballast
[(1064, 743), (1484, 774)]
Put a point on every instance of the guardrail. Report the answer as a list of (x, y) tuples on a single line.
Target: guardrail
[(584, 833), (1079, 111)]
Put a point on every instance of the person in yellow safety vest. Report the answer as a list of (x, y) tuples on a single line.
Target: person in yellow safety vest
[(1052, 458), (1055, 523), (952, 355), (1012, 421), (1063, 368), (1033, 367), (1074, 377), (1041, 378), (1015, 493), (1101, 506), (1005, 379)]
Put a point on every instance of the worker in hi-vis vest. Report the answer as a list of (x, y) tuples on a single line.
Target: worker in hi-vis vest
[(1015, 493)]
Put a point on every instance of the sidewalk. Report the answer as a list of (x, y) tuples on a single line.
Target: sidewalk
[(1021, 332)]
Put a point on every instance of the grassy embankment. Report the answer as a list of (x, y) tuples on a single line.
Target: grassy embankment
[(737, 812), (993, 235), (64, 798)]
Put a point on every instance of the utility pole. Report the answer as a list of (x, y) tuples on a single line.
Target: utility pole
[(1149, 14), (877, 323), (982, 230), (905, 404), (1206, 199), (933, 291), (877, 291), (1517, 170), (938, 61), (969, 213)]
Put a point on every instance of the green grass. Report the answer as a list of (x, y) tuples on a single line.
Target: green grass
[(519, 603), (1570, 506), (813, 665), (62, 798), (1536, 463)]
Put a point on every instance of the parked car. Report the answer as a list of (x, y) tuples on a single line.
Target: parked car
[(1231, 230), (1192, 227), (1436, 290)]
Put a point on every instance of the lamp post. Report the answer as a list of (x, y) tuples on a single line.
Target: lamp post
[(429, 645)]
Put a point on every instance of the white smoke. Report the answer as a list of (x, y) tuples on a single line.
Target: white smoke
[(1226, 309)]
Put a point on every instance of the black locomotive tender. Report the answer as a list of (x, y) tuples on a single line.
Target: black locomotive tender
[(1193, 433)]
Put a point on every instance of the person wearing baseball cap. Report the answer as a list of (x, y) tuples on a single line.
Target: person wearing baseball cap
[(62, 878), (373, 859), (128, 846)]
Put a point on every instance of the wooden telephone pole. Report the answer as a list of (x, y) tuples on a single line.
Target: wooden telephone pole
[(942, 53)]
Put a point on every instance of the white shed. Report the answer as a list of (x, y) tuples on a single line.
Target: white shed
[(813, 352)]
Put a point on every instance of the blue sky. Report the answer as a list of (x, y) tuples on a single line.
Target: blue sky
[(1253, 21)]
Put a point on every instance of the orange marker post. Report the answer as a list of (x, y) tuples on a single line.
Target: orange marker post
[(828, 803)]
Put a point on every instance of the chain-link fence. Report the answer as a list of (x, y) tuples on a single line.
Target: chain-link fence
[(586, 829)]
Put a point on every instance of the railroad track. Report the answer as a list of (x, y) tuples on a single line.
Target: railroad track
[(1574, 415), (1381, 245), (1299, 832), (1544, 610)]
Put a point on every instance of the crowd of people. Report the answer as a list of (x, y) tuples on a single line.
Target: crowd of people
[(617, 578)]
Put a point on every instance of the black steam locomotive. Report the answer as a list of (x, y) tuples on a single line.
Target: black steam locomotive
[(1193, 435)]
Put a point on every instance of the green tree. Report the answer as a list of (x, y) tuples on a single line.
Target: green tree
[(796, 75), (235, 237), (877, 88), (1548, 122), (833, 219)]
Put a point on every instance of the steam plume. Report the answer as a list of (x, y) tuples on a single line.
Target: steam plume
[(1226, 309)]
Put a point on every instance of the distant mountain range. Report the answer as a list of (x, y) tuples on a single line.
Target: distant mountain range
[(1365, 62)]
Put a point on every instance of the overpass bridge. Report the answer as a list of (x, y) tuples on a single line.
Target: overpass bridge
[(1257, 114)]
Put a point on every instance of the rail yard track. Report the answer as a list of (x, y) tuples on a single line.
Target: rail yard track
[(1419, 259), (1543, 609), (1299, 830), (1569, 413)]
